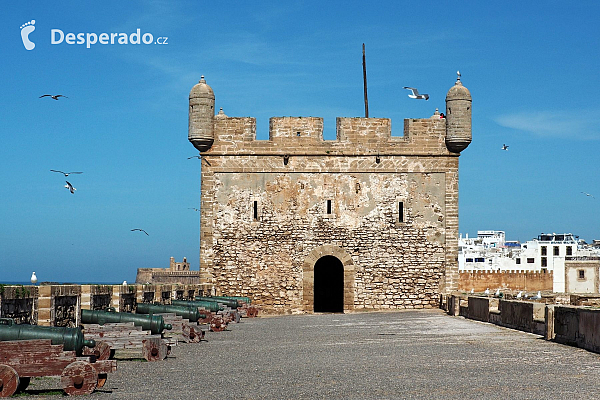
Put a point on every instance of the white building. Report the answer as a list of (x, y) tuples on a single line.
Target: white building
[(490, 251)]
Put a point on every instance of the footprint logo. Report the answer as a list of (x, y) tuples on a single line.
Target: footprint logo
[(26, 29)]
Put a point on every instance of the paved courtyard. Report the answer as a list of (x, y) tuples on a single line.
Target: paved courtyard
[(384, 355)]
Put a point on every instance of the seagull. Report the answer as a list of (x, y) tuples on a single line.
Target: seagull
[(487, 291), (472, 290), (497, 294), (124, 283), (589, 195), (54, 96), (198, 157), (520, 294), (504, 147), (537, 296), (415, 94), (141, 230), (66, 173), (33, 278), (70, 187), (192, 208)]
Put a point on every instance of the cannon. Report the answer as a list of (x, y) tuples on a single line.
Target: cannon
[(242, 299), (186, 312), (152, 323), (71, 338), (232, 303), (23, 359), (239, 302), (212, 306)]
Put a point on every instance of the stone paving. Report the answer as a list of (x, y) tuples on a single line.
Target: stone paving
[(382, 355)]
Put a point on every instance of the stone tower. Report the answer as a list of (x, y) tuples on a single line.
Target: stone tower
[(302, 224), (458, 117), (201, 116)]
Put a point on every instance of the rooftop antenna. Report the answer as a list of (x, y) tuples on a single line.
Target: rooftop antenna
[(365, 83)]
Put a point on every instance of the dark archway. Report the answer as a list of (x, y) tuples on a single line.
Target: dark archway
[(329, 285)]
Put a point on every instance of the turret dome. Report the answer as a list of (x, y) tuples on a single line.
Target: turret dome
[(458, 91), (202, 89)]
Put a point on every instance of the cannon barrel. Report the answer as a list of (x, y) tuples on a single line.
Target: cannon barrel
[(71, 338), (153, 323), (227, 302), (208, 305), (186, 312), (240, 299), (243, 299)]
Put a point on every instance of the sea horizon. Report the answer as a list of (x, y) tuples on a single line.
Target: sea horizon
[(28, 283)]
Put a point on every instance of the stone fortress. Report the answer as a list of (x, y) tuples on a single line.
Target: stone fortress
[(302, 224), (178, 272)]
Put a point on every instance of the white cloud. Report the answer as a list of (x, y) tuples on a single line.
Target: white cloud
[(572, 124)]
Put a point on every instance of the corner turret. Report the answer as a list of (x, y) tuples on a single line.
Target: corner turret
[(458, 117), (201, 116)]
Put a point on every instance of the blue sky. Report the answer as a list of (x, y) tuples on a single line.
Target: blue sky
[(532, 70)]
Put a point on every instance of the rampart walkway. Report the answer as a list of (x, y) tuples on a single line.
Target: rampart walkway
[(393, 355)]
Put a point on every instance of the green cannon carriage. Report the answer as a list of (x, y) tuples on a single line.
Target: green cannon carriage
[(71, 338), (153, 323)]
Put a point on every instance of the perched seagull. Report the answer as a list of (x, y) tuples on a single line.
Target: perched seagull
[(33, 278), (589, 195), (537, 296), (497, 294), (472, 290), (54, 96), (504, 147), (415, 94), (520, 294), (141, 230), (66, 173), (70, 187), (487, 291), (124, 283)]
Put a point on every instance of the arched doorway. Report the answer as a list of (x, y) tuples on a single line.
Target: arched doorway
[(329, 285)]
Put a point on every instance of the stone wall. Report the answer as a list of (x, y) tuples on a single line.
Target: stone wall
[(265, 219), (506, 280), (60, 305)]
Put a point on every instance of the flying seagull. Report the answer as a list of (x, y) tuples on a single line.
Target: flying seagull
[(504, 147), (189, 158), (54, 96), (589, 195), (141, 230), (415, 94), (191, 208), (70, 187), (66, 173)]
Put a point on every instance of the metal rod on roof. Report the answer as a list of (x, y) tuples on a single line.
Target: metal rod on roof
[(365, 83)]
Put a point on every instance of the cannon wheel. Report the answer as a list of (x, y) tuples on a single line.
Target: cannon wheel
[(9, 380), (23, 383), (79, 377), (154, 349)]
